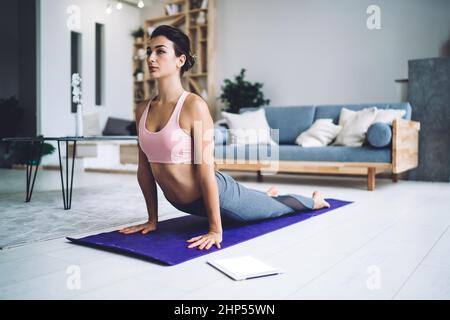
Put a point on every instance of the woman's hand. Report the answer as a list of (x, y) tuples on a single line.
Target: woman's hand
[(144, 228), (206, 241)]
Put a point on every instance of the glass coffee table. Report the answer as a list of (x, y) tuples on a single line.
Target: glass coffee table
[(31, 164)]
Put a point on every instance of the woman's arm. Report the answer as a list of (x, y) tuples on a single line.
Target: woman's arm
[(203, 133), (147, 184)]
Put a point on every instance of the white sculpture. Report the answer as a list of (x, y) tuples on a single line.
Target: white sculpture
[(76, 98)]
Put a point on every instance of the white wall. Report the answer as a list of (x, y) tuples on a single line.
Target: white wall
[(56, 118), (321, 52), (303, 51), (152, 9)]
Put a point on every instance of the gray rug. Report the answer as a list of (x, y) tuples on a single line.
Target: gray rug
[(93, 209)]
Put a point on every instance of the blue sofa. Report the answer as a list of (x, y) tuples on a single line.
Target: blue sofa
[(387, 148)]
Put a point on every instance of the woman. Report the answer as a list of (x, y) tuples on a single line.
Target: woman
[(167, 125)]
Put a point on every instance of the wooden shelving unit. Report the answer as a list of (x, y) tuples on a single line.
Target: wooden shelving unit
[(200, 79)]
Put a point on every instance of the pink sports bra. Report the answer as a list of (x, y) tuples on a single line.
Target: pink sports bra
[(171, 144)]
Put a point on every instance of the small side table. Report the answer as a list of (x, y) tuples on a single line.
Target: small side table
[(67, 190)]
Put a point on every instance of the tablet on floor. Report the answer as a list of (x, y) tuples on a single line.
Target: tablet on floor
[(246, 267)]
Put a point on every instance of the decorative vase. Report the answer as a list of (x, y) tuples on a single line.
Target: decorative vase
[(142, 53), (79, 121), (140, 77), (76, 98), (201, 19)]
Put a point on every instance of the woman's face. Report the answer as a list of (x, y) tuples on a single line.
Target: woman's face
[(161, 58)]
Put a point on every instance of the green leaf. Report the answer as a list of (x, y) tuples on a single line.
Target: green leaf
[(242, 93)]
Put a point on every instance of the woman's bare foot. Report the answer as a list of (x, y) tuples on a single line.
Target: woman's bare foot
[(273, 191), (319, 201)]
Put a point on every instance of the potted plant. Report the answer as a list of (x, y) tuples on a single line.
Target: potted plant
[(241, 93), (20, 152), (138, 35)]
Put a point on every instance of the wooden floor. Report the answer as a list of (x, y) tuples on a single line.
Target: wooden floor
[(392, 243)]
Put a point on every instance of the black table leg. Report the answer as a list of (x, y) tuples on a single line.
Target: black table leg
[(67, 192), (31, 178)]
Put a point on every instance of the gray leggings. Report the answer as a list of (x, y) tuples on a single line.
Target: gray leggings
[(239, 203)]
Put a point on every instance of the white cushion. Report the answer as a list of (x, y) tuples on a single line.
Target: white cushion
[(388, 116), (248, 128), (354, 126), (320, 134), (345, 115)]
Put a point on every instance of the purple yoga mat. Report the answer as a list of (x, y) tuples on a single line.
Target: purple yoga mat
[(167, 245)]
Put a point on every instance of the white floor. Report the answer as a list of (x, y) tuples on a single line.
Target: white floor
[(393, 243)]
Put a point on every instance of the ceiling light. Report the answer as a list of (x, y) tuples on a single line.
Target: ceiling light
[(140, 4), (119, 5)]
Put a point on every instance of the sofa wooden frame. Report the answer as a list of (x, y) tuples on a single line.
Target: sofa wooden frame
[(405, 156)]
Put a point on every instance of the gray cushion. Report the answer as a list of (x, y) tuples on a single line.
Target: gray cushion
[(379, 135), (118, 127), (297, 153), (245, 152), (333, 111), (290, 121)]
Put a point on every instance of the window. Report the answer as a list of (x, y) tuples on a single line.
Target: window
[(99, 60), (75, 49)]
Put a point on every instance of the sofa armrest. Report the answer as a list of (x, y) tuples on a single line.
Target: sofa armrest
[(405, 145)]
